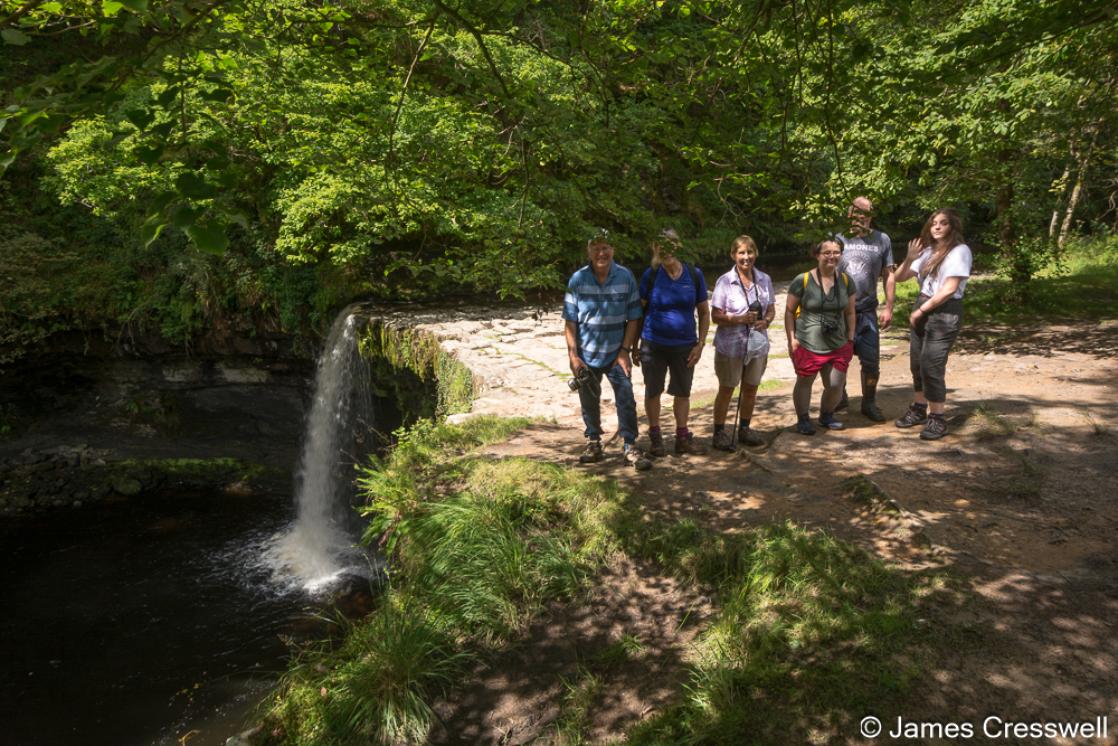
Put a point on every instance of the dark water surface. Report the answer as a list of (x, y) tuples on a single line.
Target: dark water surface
[(141, 621)]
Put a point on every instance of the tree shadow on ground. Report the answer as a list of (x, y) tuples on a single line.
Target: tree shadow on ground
[(623, 647), (1019, 505), (1016, 508), (809, 632), (1044, 340)]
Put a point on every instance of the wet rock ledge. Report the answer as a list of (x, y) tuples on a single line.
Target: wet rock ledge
[(508, 360), (73, 476), (82, 425)]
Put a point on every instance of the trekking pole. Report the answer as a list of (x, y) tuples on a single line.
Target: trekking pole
[(741, 389)]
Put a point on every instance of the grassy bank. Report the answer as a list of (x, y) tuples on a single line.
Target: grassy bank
[(1081, 286), (476, 548), (811, 633)]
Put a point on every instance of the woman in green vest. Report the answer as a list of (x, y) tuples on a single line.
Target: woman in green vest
[(819, 321)]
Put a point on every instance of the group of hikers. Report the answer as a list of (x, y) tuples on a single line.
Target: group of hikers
[(612, 323)]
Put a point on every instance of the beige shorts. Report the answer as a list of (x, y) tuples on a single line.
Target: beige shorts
[(729, 370)]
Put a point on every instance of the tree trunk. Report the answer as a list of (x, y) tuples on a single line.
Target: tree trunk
[(1076, 192), (1019, 270), (1015, 255), (1062, 185), (1084, 160)]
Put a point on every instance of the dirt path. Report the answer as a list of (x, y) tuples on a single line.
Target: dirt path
[(1019, 502)]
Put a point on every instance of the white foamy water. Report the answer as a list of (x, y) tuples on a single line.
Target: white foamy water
[(320, 546)]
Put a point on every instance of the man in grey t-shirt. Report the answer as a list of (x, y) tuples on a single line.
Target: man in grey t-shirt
[(867, 255)]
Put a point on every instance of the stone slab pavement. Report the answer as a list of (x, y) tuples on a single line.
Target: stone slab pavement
[(519, 357)]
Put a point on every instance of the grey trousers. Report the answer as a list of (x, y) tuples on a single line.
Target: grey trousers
[(833, 381), (930, 342)]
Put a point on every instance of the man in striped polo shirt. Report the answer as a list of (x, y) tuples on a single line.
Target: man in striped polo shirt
[(601, 314)]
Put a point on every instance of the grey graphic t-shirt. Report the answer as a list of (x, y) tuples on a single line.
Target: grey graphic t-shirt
[(863, 258)]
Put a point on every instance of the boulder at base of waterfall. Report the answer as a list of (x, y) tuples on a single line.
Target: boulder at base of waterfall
[(127, 486)]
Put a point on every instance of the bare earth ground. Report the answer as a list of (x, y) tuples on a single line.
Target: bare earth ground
[(1019, 502)]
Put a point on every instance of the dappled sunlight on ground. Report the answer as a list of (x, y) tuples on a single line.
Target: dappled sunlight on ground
[(1018, 502)]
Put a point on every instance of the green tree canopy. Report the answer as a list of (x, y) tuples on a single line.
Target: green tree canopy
[(278, 158)]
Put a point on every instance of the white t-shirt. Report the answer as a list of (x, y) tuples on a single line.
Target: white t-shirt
[(957, 263)]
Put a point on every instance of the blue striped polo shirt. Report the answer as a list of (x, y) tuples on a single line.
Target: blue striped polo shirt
[(601, 311)]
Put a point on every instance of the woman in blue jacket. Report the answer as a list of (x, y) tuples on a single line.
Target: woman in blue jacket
[(672, 293)]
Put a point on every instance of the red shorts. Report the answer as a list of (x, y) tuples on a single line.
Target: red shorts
[(808, 363)]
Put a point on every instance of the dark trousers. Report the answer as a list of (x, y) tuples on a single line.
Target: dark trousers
[(930, 342), (590, 399), (867, 342)]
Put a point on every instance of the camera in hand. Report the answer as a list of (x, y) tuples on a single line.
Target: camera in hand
[(755, 307), (585, 378), (580, 378)]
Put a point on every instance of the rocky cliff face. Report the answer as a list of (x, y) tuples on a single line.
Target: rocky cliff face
[(80, 405)]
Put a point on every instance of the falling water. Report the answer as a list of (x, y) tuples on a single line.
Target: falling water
[(320, 546)]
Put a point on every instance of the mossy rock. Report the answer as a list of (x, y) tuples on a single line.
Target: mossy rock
[(57, 482), (410, 367), (127, 486)]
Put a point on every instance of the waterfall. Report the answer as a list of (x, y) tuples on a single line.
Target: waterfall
[(320, 546)]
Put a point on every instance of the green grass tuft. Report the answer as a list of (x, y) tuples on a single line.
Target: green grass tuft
[(377, 687), (477, 547), (582, 691), (813, 633)]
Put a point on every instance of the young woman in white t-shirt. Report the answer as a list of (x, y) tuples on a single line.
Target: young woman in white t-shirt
[(942, 263)]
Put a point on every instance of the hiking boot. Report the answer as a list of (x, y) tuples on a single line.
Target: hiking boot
[(749, 437), (804, 427), (827, 420), (592, 454), (935, 428), (656, 444), (722, 441), (872, 411), (688, 447), (844, 402), (914, 416), (633, 457)]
